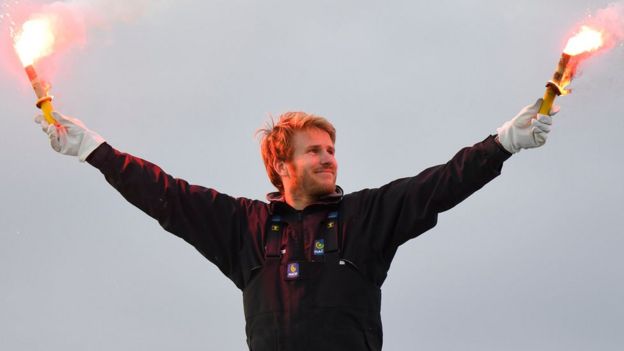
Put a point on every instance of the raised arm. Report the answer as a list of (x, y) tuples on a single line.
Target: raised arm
[(406, 208), (208, 220)]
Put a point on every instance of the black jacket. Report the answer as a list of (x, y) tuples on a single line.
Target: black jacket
[(372, 223)]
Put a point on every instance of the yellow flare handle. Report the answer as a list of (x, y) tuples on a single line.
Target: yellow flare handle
[(549, 98), (47, 108)]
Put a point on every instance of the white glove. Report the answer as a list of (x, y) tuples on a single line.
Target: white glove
[(527, 130), (70, 136)]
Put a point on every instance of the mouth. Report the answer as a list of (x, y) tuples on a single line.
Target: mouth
[(325, 171)]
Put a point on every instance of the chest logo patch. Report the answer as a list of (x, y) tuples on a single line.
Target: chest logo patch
[(319, 247), (292, 270)]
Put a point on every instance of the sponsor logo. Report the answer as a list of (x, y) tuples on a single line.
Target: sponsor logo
[(292, 271), (319, 247)]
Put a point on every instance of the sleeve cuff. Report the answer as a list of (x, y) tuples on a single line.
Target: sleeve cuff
[(496, 149), (98, 157)]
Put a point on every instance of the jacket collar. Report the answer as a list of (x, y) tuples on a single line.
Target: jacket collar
[(333, 198)]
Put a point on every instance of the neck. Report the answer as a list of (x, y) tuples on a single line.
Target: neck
[(297, 200)]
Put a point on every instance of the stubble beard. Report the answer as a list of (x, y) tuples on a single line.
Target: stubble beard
[(313, 185), (318, 188)]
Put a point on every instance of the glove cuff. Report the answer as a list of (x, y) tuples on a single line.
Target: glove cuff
[(90, 142), (505, 137)]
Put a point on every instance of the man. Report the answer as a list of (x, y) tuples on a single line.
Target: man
[(311, 262)]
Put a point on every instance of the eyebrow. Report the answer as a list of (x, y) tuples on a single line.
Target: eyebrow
[(319, 146)]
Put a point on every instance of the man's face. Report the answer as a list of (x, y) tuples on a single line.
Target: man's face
[(312, 169)]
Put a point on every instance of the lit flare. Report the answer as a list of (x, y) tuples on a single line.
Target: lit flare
[(34, 41), (578, 48), (585, 41)]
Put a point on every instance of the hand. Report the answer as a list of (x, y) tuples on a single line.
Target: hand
[(527, 130), (70, 136)]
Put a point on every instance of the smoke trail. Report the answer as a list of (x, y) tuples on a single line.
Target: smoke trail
[(72, 20), (610, 21), (5, 15)]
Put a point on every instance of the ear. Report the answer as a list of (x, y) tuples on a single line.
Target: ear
[(280, 168)]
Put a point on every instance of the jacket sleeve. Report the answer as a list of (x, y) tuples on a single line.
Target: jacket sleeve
[(405, 208), (203, 217)]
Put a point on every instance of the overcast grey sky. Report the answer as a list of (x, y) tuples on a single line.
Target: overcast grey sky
[(531, 262)]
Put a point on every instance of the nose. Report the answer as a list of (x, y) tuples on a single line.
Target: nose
[(327, 158)]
